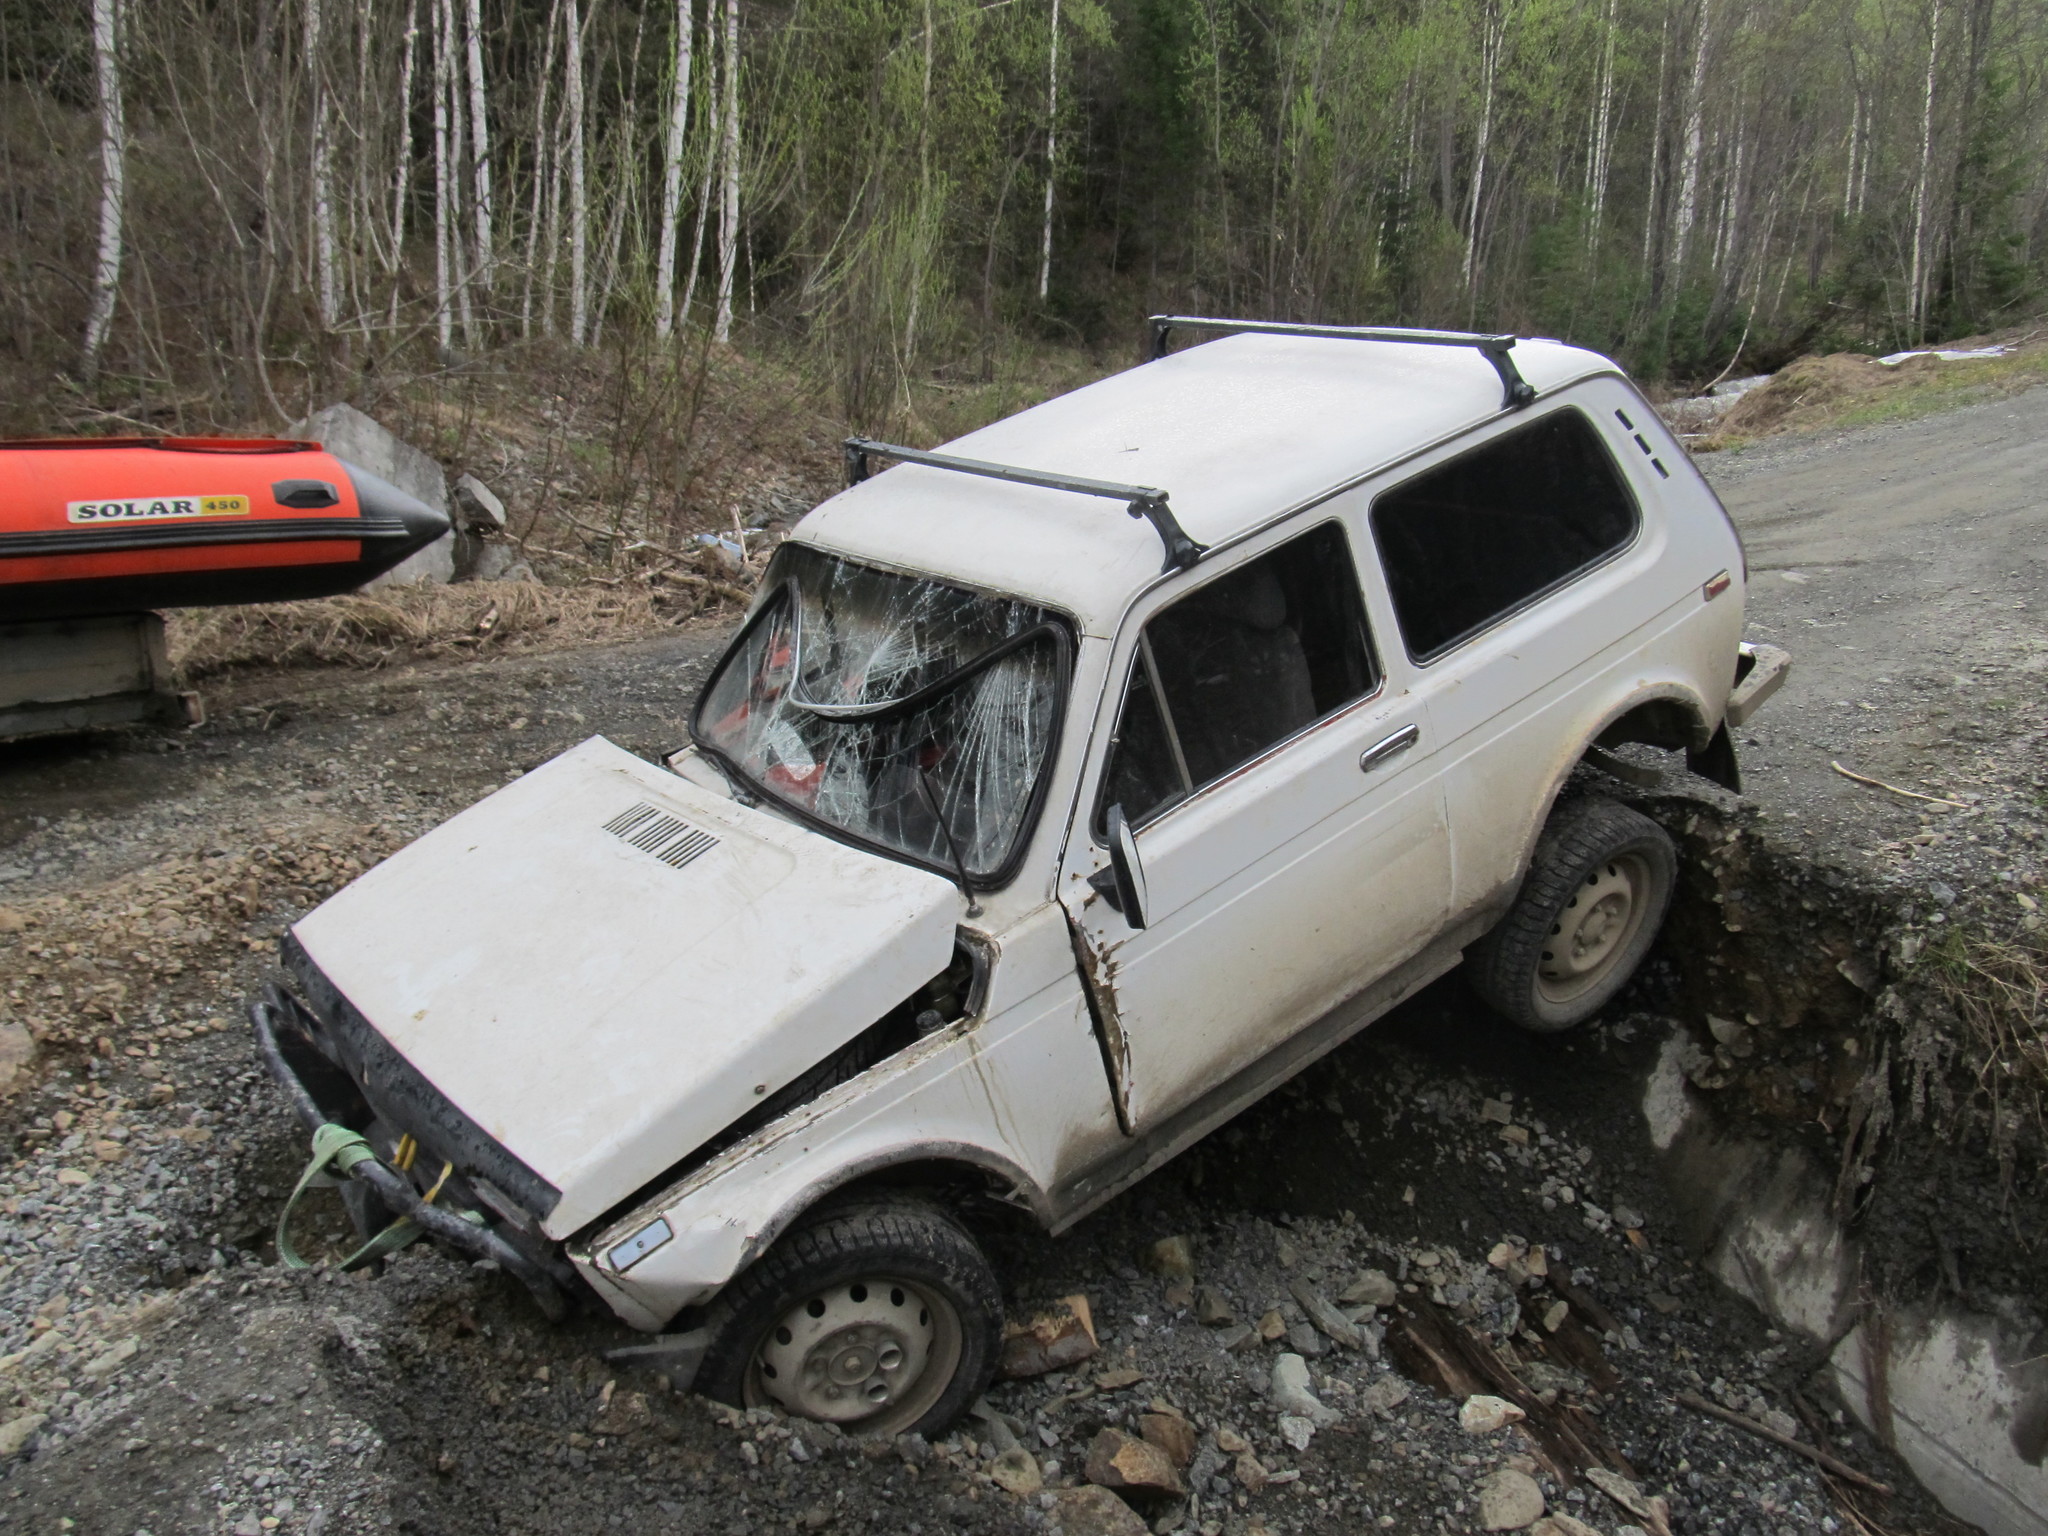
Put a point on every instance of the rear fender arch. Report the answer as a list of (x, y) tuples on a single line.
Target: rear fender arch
[(1669, 714)]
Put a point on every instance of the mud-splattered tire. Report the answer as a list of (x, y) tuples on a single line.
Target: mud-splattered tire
[(1589, 909), (883, 1317)]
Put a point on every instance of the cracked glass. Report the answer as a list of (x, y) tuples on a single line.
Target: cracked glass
[(914, 716)]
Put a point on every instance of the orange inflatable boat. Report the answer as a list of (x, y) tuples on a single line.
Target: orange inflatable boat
[(122, 524)]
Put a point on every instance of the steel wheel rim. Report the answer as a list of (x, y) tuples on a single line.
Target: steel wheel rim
[(873, 1355), (1594, 929)]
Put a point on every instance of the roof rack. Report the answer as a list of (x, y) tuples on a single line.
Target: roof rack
[(1143, 501), (1518, 390)]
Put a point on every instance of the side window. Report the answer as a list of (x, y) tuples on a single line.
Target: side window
[(1240, 663), (1475, 538)]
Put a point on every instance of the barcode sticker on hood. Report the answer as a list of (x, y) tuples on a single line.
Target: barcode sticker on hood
[(668, 837)]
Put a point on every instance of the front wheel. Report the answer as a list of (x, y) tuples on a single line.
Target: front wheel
[(882, 1318), (1589, 909)]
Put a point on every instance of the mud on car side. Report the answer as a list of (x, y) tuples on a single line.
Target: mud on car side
[(1019, 842)]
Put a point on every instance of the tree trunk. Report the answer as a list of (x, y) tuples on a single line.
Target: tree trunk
[(1651, 222), (1916, 280), (444, 308), (1494, 25), (1052, 112), (544, 171), (729, 204), (401, 173), (672, 175), (579, 204), (480, 150), (1695, 133), (106, 276), (1601, 129), (714, 88), (322, 173)]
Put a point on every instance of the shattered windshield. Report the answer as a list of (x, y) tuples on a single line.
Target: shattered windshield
[(910, 714)]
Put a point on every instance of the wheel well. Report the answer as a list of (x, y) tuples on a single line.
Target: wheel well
[(1671, 724), (951, 1179)]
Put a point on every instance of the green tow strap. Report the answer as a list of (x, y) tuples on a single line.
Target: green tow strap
[(339, 1148)]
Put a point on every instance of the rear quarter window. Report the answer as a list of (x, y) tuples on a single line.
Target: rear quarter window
[(1472, 540)]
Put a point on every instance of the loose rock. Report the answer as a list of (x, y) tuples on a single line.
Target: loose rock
[(1482, 1415), (1016, 1471), (1509, 1501), (1095, 1512), (1060, 1336), (1116, 1460), (1171, 1433)]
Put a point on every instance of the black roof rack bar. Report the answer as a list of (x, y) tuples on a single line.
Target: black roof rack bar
[(1139, 500), (1517, 390)]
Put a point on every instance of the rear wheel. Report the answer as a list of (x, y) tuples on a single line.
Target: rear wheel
[(882, 1318), (1596, 893)]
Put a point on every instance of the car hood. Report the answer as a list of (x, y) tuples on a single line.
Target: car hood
[(603, 964)]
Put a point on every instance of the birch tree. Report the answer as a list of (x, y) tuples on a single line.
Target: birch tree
[(444, 178), (579, 203), (480, 149), (1915, 287), (106, 275), (672, 173), (729, 203), (1695, 130), (1052, 116), (322, 170)]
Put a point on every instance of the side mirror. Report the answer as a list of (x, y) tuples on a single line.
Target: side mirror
[(1125, 888)]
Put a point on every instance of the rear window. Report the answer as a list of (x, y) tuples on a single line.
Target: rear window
[(1472, 540)]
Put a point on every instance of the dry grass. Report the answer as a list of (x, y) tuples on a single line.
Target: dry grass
[(401, 624), (1998, 990), (1847, 389)]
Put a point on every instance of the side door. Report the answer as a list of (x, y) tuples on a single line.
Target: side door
[(1285, 811)]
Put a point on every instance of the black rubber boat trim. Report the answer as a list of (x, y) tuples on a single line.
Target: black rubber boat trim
[(391, 1186), (269, 530)]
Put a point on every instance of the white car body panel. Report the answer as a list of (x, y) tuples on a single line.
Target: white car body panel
[(599, 1012), (1018, 1090)]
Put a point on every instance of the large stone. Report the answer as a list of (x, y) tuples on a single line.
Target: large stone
[(1059, 1336), (1291, 1393), (1173, 1257), (1509, 1501), (1374, 1288), (363, 444), (1482, 1414), (1095, 1512), (1117, 1460), (1339, 1328), (1016, 1471), (17, 1050), (1171, 1433), (15, 1433)]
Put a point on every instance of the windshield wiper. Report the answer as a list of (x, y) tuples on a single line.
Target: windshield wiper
[(931, 804)]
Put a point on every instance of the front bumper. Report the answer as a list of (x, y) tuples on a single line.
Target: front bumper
[(284, 1029)]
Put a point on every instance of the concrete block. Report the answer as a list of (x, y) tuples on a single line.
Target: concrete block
[(356, 439)]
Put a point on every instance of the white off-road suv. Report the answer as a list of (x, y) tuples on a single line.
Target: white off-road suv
[(1020, 842)]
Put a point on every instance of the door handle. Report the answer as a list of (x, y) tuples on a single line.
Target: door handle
[(1392, 746)]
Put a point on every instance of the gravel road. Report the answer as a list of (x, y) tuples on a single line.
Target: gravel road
[(164, 1374)]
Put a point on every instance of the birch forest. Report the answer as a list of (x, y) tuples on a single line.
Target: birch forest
[(221, 209)]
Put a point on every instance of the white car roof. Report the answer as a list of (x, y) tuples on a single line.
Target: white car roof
[(1235, 430)]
